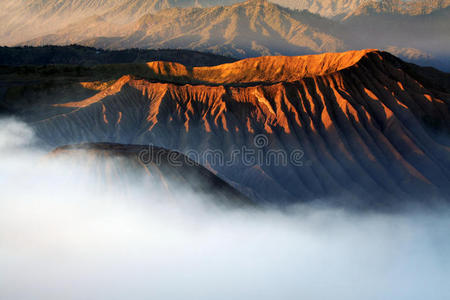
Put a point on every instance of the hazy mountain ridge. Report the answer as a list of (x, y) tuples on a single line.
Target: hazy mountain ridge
[(412, 7), (252, 28), (20, 18), (428, 33), (326, 8), (26, 19), (132, 10), (258, 27)]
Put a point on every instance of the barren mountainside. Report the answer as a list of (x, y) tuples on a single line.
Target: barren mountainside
[(257, 27), (25, 19), (251, 28), (362, 126)]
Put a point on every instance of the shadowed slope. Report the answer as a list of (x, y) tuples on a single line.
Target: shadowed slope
[(161, 172)]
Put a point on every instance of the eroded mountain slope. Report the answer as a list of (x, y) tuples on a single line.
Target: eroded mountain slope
[(358, 127)]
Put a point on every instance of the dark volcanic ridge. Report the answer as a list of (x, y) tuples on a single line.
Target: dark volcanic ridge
[(161, 173), (89, 56)]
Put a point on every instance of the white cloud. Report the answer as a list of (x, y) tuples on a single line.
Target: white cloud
[(62, 238)]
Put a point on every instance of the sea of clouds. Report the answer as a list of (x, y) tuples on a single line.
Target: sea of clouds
[(62, 237)]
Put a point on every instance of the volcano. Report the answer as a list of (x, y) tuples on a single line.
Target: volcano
[(367, 128)]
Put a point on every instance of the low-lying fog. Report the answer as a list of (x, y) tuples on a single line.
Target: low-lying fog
[(61, 238)]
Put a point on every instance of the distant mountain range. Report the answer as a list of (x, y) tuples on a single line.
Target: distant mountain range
[(399, 27), (24, 19), (335, 9), (246, 29), (418, 31), (366, 128), (399, 7)]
